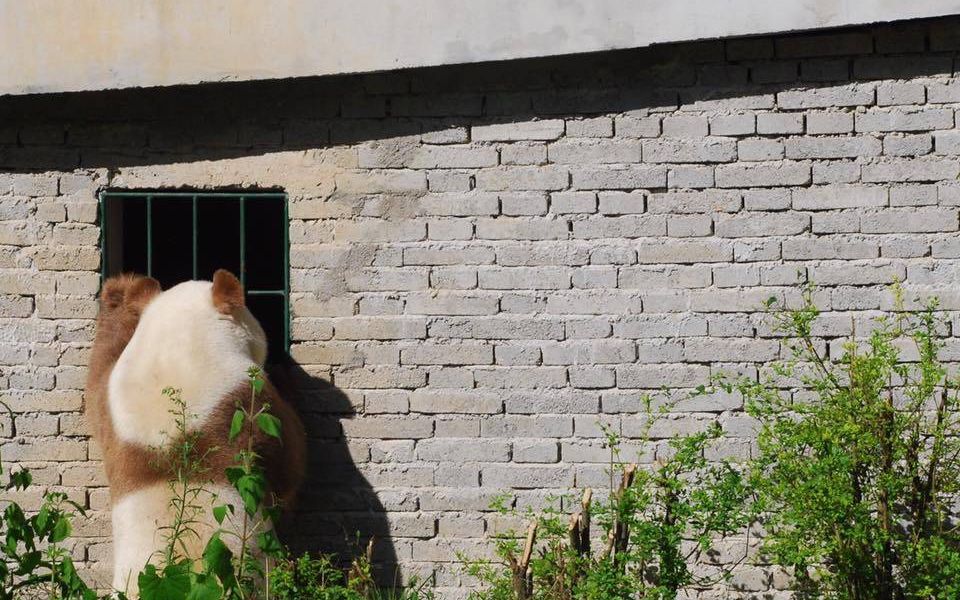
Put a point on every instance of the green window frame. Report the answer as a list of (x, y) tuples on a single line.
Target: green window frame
[(247, 211)]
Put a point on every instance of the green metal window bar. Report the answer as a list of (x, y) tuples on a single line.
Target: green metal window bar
[(262, 266)]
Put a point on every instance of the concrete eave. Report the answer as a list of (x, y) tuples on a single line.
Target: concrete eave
[(74, 45)]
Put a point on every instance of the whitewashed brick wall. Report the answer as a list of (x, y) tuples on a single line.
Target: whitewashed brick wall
[(488, 260)]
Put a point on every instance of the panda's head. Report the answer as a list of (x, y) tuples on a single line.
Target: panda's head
[(208, 317)]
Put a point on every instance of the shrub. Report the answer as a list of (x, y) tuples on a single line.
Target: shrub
[(34, 564), (656, 522), (857, 470)]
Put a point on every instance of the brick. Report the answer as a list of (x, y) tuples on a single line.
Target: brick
[(387, 279), (910, 221), (690, 176), (523, 426), (839, 196), (647, 127), (450, 303), (913, 195), (379, 231), (827, 44), (579, 152), (694, 202), (845, 273), (827, 97), (763, 175), (762, 225), (731, 125), (597, 127), (549, 129), (619, 177), (382, 181), (759, 149), (448, 255), (454, 401), (735, 350), (660, 376), (527, 477), (683, 151), (388, 427), (521, 153), (680, 252), (558, 253), (828, 248), (892, 67), (907, 145), (573, 202), (535, 451), (463, 450), (821, 122), (621, 203), (910, 170), (447, 354), (685, 126), (940, 93), (836, 172), (901, 93), (522, 179), (494, 328), (779, 123), (525, 278), (630, 226), (658, 278), (905, 120), (947, 142), (521, 229), (521, 377), (832, 147)]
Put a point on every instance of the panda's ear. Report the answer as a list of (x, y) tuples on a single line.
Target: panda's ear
[(227, 292), (111, 295), (141, 292)]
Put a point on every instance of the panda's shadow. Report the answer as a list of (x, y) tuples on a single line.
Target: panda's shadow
[(337, 510)]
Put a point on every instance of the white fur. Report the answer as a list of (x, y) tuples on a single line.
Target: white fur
[(182, 341), (139, 534)]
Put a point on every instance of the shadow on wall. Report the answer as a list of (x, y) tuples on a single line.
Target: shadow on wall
[(337, 509), (157, 126)]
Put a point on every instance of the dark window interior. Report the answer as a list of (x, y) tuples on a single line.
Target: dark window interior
[(178, 236)]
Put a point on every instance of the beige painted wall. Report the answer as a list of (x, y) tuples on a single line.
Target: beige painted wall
[(67, 45)]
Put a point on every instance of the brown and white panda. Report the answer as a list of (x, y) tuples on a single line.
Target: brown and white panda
[(200, 338)]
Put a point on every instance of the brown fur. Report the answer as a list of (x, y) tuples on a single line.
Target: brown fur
[(131, 466), (227, 292), (122, 300)]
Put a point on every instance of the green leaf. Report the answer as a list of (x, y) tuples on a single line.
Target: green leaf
[(173, 583), (28, 562), (218, 560), (252, 489), (269, 424), (236, 425), (61, 530), (220, 513), (20, 480), (257, 384), (205, 588), (269, 543)]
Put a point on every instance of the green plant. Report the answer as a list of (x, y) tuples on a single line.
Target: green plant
[(33, 561), (857, 469), (221, 573), (647, 520), (321, 578)]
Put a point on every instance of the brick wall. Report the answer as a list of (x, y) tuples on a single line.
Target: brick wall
[(488, 260)]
